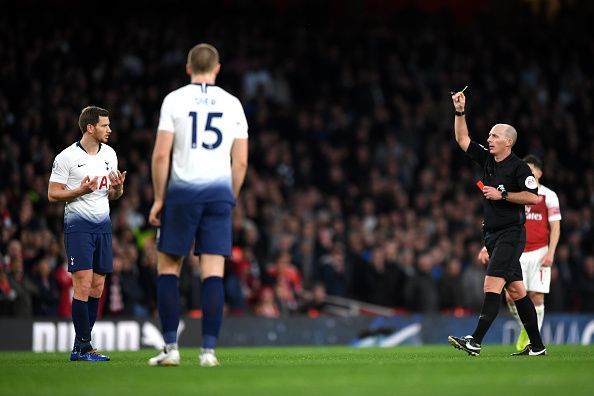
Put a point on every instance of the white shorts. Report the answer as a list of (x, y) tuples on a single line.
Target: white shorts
[(536, 278)]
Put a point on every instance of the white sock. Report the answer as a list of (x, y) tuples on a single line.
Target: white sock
[(514, 312), (539, 315), (169, 347)]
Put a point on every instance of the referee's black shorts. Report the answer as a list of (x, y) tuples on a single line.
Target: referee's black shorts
[(505, 246)]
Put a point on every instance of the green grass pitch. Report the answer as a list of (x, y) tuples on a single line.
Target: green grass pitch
[(327, 371)]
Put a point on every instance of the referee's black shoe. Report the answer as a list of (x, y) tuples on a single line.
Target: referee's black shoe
[(466, 344), (530, 351)]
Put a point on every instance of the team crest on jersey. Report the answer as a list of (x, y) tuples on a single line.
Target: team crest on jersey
[(530, 182), (55, 165), (106, 165)]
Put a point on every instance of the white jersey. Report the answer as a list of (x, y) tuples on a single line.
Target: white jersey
[(205, 120), (89, 212)]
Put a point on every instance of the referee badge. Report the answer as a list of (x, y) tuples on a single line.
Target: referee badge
[(530, 182)]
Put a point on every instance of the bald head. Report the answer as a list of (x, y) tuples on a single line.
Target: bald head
[(508, 131)]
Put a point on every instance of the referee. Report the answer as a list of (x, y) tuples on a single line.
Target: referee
[(508, 186)]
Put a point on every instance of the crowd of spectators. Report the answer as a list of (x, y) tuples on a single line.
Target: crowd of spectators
[(355, 188)]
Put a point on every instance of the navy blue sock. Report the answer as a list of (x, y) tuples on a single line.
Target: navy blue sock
[(93, 305), (213, 301), (80, 319), (168, 305)]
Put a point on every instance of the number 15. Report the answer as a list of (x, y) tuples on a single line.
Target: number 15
[(207, 128)]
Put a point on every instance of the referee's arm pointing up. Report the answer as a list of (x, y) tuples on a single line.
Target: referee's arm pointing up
[(460, 127)]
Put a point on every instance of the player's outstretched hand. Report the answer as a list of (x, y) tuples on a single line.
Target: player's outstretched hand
[(89, 185), (155, 213)]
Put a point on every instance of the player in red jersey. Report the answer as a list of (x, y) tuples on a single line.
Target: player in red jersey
[(543, 227)]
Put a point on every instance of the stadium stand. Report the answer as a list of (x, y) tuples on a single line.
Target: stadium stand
[(355, 182)]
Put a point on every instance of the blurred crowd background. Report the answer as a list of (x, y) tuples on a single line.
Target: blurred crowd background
[(356, 187)]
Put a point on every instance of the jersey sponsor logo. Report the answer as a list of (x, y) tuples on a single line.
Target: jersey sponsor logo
[(530, 182), (102, 182), (530, 215)]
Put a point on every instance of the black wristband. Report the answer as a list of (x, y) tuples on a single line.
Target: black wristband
[(459, 113), (504, 195)]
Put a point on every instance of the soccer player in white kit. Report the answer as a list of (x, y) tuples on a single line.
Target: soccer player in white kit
[(198, 166), (85, 176), (543, 228)]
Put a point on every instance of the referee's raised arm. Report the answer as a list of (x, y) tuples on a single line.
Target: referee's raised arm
[(460, 127)]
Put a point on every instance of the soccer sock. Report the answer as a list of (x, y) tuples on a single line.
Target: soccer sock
[(488, 314), (80, 319), (514, 313), (213, 301), (539, 315), (168, 306), (529, 320), (93, 305)]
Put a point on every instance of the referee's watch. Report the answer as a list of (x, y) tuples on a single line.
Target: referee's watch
[(459, 113), (504, 195)]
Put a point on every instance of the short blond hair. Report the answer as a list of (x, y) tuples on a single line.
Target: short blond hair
[(203, 58)]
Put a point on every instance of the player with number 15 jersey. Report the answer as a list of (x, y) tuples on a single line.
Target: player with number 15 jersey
[(199, 163), (205, 120)]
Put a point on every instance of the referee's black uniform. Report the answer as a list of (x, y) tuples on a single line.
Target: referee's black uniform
[(503, 227)]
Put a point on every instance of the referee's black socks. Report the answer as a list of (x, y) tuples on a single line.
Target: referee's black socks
[(488, 314), (527, 314)]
